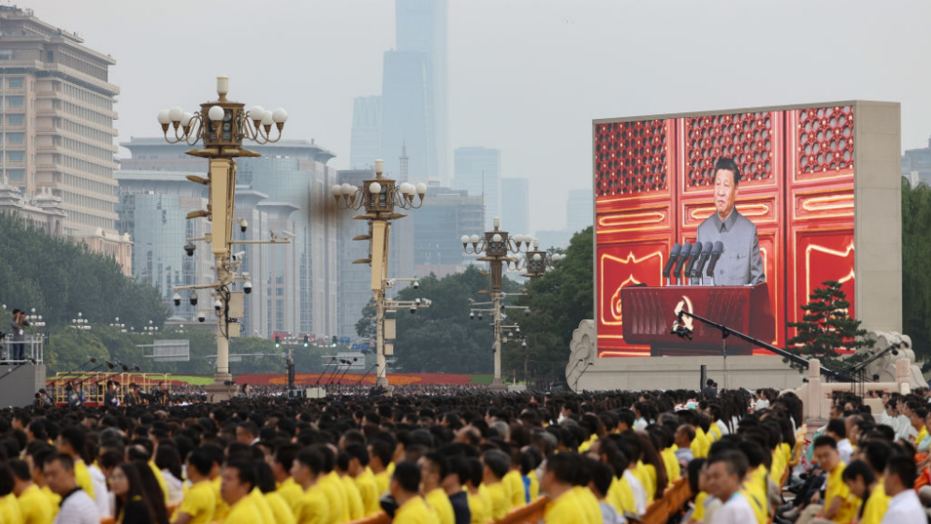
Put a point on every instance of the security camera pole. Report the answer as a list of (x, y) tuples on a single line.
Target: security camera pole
[(379, 197), (221, 125), (497, 247)]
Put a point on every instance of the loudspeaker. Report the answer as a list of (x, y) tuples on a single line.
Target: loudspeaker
[(704, 377)]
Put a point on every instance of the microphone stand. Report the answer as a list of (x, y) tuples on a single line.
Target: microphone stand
[(681, 331), (325, 371), (590, 364), (333, 374), (359, 383), (12, 370), (339, 381)]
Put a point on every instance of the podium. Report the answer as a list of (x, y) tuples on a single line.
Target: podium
[(649, 312)]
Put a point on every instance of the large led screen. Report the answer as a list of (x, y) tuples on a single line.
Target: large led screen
[(654, 183)]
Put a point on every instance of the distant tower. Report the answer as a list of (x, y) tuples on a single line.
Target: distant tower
[(402, 176)]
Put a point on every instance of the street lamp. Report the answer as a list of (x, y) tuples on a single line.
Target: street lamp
[(221, 126), (496, 248), (536, 262), (379, 197), (151, 329), (80, 323), (116, 324)]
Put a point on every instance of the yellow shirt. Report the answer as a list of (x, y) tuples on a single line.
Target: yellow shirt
[(381, 482), (83, 478), (244, 512), (564, 509), (200, 503), (673, 469), (290, 492), (876, 505), (621, 496), (758, 490), (35, 507), (281, 512), (921, 435), (591, 511), (336, 507), (415, 511), (312, 508), (160, 478), (258, 500), (9, 509), (588, 443), (649, 474), (439, 501), (478, 515), (836, 487), (500, 504), (53, 498), (534, 486), (356, 509), (222, 509), (715, 432), (698, 514), (368, 490), (487, 503), (514, 488)]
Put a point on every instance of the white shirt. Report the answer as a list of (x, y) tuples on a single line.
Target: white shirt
[(845, 449), (736, 510), (175, 488), (77, 508), (101, 495), (640, 494), (723, 427), (905, 508)]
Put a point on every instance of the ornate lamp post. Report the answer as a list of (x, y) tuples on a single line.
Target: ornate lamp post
[(379, 197), (537, 262), (221, 126), (496, 248)]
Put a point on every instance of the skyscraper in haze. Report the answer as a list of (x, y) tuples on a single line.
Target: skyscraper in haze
[(578, 210), (365, 143), (515, 215), (478, 171), (414, 90)]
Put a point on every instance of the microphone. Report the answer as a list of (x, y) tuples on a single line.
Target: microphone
[(693, 258), (702, 260), (715, 255), (673, 256), (683, 256)]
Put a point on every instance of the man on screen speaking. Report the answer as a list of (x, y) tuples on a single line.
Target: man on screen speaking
[(740, 263)]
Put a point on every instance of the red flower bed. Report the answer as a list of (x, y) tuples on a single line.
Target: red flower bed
[(309, 379)]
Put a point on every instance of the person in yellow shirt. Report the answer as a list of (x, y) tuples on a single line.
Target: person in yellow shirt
[(353, 497), (566, 505), (404, 487), (864, 485), (838, 504), (199, 502), (237, 482), (337, 505), (71, 442), (35, 462), (918, 422), (306, 469), (364, 479), (10, 512), (433, 469), (496, 465), (514, 488), (33, 505), (479, 513), (380, 453), (282, 461), (216, 460)]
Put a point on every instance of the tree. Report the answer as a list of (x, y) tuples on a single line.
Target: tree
[(826, 328), (558, 301), (916, 267)]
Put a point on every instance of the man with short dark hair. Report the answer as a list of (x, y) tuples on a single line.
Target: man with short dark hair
[(77, 507), (199, 502), (433, 469), (238, 481), (725, 473), (904, 507), (35, 507), (838, 505), (709, 392), (741, 262), (311, 507), (248, 433), (837, 429), (71, 442), (282, 462), (364, 479), (496, 464), (405, 487)]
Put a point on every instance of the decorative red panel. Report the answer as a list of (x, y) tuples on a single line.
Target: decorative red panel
[(630, 158), (825, 140), (751, 139)]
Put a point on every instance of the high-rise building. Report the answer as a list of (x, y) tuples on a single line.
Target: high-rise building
[(916, 165), (579, 211), (446, 215), (478, 171), (286, 189), (406, 118), (365, 143), (515, 207), (421, 26), (57, 117)]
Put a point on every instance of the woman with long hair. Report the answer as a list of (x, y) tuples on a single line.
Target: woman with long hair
[(132, 501), (153, 490), (168, 460)]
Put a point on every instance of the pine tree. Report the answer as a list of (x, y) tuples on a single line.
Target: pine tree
[(826, 327)]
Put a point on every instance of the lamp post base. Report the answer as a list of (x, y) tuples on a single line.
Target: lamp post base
[(222, 388), (498, 386), (382, 382)]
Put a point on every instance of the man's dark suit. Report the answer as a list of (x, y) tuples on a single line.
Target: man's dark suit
[(740, 263)]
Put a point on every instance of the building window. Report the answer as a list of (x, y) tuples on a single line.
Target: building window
[(16, 83), (14, 101), (49, 56), (16, 174), (15, 156), (16, 138), (14, 120)]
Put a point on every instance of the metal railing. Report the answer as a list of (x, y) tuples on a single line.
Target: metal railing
[(33, 350)]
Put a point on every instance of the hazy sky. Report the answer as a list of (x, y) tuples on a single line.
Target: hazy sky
[(525, 76)]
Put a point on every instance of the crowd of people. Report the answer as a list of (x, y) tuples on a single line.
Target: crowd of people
[(465, 458)]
